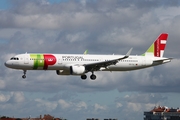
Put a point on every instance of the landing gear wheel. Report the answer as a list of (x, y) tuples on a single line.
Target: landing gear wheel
[(24, 76), (93, 77), (83, 77)]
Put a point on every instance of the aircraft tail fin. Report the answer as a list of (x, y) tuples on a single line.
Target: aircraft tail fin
[(158, 47)]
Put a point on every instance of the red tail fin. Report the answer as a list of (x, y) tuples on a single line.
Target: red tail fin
[(160, 44), (158, 47)]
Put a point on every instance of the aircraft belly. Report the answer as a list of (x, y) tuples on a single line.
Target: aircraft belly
[(127, 67), (115, 68), (55, 67)]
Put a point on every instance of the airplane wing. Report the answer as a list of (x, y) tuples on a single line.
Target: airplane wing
[(104, 64)]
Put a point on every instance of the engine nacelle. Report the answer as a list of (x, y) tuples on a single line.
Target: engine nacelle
[(77, 70)]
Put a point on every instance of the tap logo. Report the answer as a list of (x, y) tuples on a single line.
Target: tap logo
[(159, 45), (43, 61), (49, 60)]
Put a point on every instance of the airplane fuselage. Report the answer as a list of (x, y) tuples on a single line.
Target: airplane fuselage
[(64, 61)]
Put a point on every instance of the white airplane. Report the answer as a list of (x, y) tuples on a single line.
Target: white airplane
[(80, 64)]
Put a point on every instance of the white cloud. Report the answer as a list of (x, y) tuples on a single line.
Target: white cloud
[(98, 107), (118, 105), (4, 98), (134, 106), (46, 105), (81, 105), (169, 14), (77, 37), (64, 104), (76, 106), (17, 97), (2, 84)]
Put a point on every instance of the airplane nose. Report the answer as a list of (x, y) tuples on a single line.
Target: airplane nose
[(7, 63)]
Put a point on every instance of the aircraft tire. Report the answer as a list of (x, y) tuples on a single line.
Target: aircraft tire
[(93, 77), (24, 76), (83, 77)]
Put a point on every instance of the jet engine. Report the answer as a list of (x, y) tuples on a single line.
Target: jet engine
[(72, 70), (77, 70)]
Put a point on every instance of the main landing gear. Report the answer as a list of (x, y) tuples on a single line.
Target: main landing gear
[(24, 72), (93, 77), (83, 77)]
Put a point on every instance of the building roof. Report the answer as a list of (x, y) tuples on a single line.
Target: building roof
[(164, 109)]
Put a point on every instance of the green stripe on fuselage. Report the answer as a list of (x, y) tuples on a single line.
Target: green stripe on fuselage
[(38, 60)]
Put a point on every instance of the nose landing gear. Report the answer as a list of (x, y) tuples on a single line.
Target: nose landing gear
[(24, 76)]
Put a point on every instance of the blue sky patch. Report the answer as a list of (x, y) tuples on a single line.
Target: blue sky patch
[(57, 1), (4, 4), (2, 41)]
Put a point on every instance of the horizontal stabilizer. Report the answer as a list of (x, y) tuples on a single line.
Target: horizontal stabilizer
[(163, 60)]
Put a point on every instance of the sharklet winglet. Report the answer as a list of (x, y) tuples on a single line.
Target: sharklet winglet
[(128, 53)]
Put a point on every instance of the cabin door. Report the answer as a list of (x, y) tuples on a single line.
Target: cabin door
[(26, 59)]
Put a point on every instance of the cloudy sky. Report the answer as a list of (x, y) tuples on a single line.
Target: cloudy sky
[(102, 27)]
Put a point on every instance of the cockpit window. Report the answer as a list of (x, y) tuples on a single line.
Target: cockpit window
[(14, 58)]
